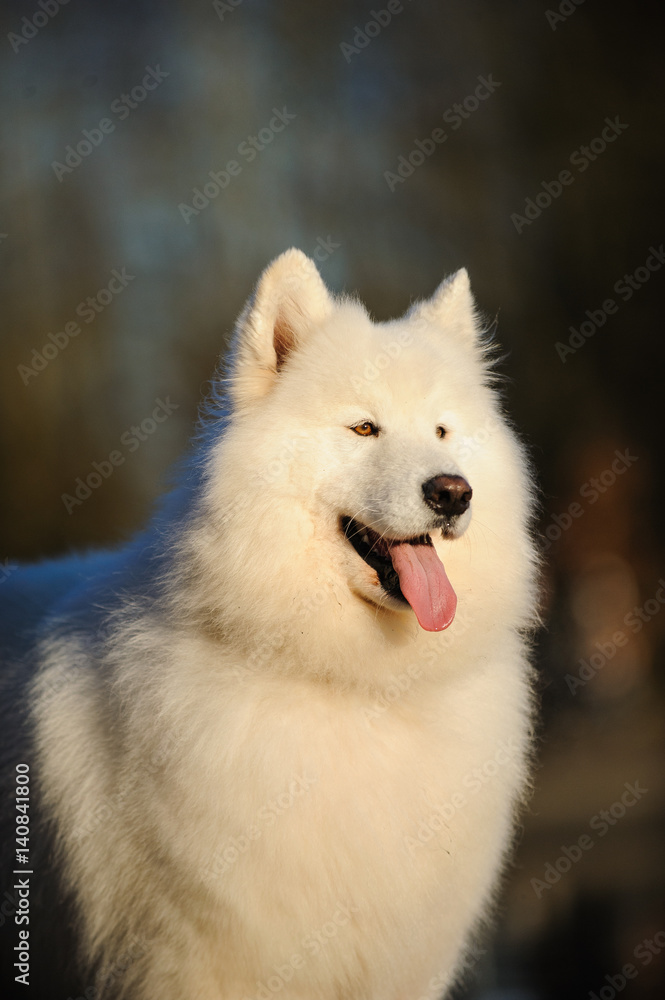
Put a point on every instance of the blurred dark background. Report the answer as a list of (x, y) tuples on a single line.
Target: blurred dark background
[(368, 85)]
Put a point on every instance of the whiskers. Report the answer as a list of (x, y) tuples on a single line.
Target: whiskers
[(361, 528)]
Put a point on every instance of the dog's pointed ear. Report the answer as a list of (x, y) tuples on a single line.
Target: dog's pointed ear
[(290, 299), (453, 292), (452, 304)]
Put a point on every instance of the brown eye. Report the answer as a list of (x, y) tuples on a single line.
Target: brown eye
[(366, 429), (441, 431)]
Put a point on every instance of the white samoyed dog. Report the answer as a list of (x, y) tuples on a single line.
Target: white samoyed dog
[(278, 742)]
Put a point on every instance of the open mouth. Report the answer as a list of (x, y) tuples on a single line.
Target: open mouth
[(409, 570)]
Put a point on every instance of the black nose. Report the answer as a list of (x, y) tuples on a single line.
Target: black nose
[(447, 495)]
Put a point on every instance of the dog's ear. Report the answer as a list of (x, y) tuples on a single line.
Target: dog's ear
[(451, 305), (290, 299)]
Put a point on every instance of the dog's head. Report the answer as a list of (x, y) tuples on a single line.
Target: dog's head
[(369, 447)]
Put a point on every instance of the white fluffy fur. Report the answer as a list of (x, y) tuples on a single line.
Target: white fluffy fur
[(246, 654)]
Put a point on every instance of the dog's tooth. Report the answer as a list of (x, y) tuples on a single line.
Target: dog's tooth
[(366, 538)]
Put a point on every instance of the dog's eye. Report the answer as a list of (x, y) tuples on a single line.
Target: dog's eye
[(366, 429), (441, 431)]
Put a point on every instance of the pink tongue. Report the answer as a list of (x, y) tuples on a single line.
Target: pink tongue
[(424, 583)]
